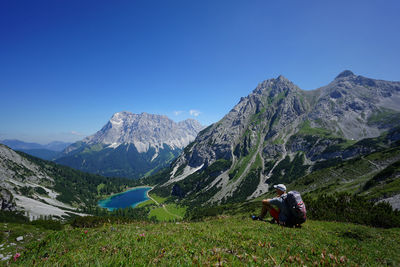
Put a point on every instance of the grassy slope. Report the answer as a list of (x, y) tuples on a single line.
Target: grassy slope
[(164, 212), (10, 231), (228, 240), (351, 176)]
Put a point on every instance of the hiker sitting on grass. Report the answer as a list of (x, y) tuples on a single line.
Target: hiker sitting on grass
[(279, 215)]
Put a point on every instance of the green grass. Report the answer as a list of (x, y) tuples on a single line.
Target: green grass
[(172, 212), (145, 203), (351, 176), (224, 240), (165, 212), (100, 187), (385, 115), (93, 148), (241, 166), (10, 231), (385, 190), (150, 172), (258, 163), (151, 202), (278, 141), (306, 129)]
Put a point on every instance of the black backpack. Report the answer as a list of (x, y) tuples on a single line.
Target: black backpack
[(296, 207)]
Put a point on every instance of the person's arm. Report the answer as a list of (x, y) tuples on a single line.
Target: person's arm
[(273, 201)]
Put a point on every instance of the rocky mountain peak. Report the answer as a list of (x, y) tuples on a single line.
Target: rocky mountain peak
[(272, 87), (144, 131), (191, 124), (345, 74), (131, 145), (282, 78)]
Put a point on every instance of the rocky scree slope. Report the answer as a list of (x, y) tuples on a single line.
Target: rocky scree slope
[(279, 133), (43, 188), (131, 145), (25, 186)]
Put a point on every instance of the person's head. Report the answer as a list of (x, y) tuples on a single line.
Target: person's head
[(280, 189)]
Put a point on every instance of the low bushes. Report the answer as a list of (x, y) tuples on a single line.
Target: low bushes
[(345, 207), (48, 224), (12, 217)]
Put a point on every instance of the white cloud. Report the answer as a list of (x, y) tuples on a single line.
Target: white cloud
[(194, 112), (178, 112), (76, 133)]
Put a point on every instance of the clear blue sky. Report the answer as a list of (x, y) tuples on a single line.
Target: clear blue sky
[(67, 66)]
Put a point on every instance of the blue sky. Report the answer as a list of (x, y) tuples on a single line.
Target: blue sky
[(67, 66)]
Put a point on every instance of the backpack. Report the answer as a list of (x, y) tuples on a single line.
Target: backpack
[(296, 207)]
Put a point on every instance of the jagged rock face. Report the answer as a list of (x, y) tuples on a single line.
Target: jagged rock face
[(145, 131), (14, 166), (7, 202), (279, 125), (346, 105), (273, 105), (131, 145)]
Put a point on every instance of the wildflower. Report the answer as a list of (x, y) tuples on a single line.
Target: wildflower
[(141, 236), (16, 256), (86, 231)]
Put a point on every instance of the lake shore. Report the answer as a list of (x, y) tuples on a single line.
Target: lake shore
[(104, 202)]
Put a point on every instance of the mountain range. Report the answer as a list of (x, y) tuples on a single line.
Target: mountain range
[(341, 137), (131, 145), (280, 133), (48, 151)]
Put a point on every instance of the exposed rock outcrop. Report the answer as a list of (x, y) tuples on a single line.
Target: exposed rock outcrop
[(7, 202)]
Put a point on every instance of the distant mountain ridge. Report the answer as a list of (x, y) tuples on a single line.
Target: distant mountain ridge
[(131, 145), (48, 151), (145, 131), (278, 133), (21, 145)]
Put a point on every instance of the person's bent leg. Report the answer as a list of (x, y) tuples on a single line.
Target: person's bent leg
[(265, 208), (274, 213)]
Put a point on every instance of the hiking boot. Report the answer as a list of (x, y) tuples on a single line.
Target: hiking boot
[(272, 221), (255, 218)]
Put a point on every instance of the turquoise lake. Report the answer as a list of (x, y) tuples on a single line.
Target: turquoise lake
[(129, 198)]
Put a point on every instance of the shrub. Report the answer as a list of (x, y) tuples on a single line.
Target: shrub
[(386, 174), (13, 217), (48, 224), (345, 207), (40, 190)]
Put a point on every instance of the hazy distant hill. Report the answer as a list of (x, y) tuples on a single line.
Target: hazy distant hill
[(48, 151), (21, 145), (131, 145)]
